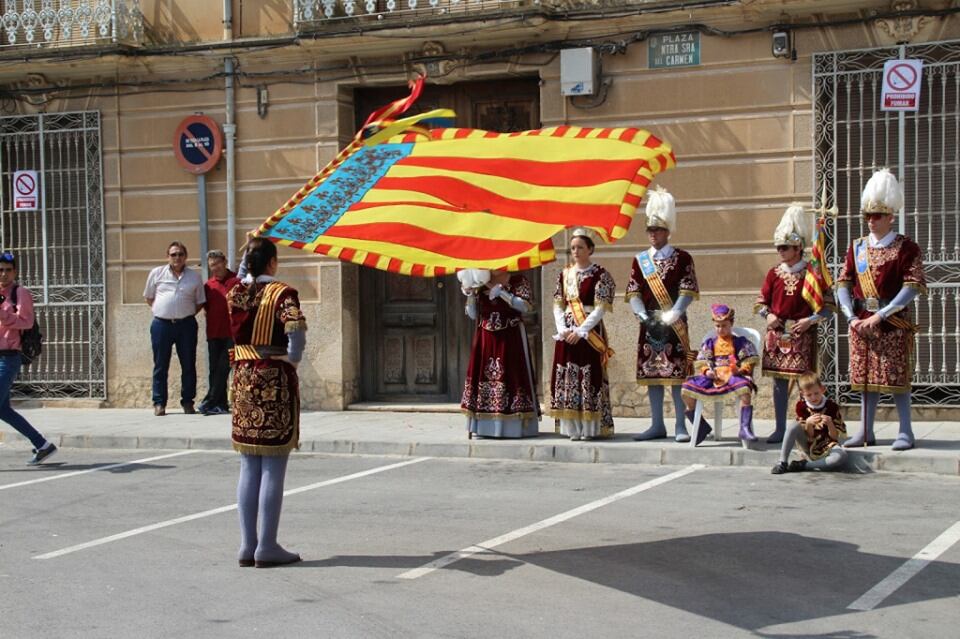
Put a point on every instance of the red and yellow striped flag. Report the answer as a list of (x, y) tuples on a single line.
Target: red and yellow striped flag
[(411, 200), (817, 283)]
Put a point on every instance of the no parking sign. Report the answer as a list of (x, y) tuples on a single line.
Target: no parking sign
[(901, 85), (197, 144), (26, 191)]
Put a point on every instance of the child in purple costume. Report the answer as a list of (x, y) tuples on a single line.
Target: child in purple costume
[(724, 365)]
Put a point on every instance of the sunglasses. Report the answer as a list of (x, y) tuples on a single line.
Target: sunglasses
[(8, 269), (177, 254)]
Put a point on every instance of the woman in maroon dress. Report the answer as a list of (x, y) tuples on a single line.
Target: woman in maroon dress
[(499, 393), (580, 390)]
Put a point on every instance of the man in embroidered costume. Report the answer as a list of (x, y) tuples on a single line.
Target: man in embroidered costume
[(882, 275), (268, 330), (790, 344), (662, 285), (725, 365), (580, 391)]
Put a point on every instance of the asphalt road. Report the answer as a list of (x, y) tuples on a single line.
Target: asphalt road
[(547, 550)]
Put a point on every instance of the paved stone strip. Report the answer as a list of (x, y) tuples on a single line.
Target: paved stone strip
[(879, 458)]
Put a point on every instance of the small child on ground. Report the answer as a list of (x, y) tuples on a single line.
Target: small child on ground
[(817, 432)]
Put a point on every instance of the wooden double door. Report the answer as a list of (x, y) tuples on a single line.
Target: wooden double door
[(415, 338)]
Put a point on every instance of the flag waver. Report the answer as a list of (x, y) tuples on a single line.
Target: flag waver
[(408, 199)]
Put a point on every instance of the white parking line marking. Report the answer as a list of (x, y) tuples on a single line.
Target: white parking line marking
[(94, 470), (873, 597), (221, 509), (484, 546)]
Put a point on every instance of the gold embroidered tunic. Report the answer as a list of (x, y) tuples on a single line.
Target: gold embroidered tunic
[(266, 393)]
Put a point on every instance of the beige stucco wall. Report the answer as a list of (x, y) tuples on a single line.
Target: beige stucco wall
[(740, 124)]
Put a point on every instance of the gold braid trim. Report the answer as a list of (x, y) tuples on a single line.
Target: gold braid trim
[(269, 451), (263, 323), (295, 325)]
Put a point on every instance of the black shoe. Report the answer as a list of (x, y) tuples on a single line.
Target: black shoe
[(798, 465), (41, 454), (780, 468), (188, 408)]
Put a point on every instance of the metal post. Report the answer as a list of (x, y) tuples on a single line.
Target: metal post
[(202, 202), (230, 134), (42, 185), (901, 159)]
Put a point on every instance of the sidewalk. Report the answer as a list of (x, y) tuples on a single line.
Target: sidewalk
[(443, 435)]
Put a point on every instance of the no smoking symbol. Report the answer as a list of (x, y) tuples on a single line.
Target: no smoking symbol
[(901, 77), (25, 185)]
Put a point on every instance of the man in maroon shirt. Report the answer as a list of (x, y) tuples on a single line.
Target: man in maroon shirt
[(219, 342)]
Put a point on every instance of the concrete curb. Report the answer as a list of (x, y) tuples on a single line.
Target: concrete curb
[(557, 451)]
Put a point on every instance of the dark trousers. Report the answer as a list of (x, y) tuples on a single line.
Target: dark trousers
[(164, 335), (9, 367), (218, 350)]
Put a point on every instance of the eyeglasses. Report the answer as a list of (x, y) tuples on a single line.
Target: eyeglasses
[(177, 254), (784, 247), (9, 269)]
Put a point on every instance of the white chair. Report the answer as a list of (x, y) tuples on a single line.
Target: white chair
[(740, 331)]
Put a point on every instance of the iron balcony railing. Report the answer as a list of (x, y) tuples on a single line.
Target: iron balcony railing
[(70, 23), (315, 15)]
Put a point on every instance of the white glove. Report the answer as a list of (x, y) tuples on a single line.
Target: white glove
[(495, 291), (669, 317), (643, 317)]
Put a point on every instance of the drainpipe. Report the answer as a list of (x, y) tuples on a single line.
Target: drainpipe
[(230, 133), (228, 20)]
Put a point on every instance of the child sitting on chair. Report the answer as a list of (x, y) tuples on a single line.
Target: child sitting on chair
[(725, 364), (817, 432)]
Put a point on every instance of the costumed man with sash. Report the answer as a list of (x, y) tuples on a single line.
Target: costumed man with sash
[(662, 285), (580, 391), (790, 344), (882, 275)]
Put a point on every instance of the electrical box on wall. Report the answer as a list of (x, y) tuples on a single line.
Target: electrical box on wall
[(578, 71)]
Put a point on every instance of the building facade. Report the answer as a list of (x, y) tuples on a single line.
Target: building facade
[(764, 102)]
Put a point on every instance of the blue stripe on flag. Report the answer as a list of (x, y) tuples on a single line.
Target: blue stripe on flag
[(323, 208)]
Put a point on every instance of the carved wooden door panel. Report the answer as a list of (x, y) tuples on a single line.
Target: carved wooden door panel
[(415, 340)]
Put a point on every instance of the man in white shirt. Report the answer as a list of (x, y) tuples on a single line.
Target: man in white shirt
[(175, 295)]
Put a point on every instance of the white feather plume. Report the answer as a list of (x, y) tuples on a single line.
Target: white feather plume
[(795, 227), (882, 194), (661, 209), (473, 277)]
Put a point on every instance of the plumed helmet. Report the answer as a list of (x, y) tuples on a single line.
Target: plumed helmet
[(473, 277), (795, 227), (882, 194), (661, 210)]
